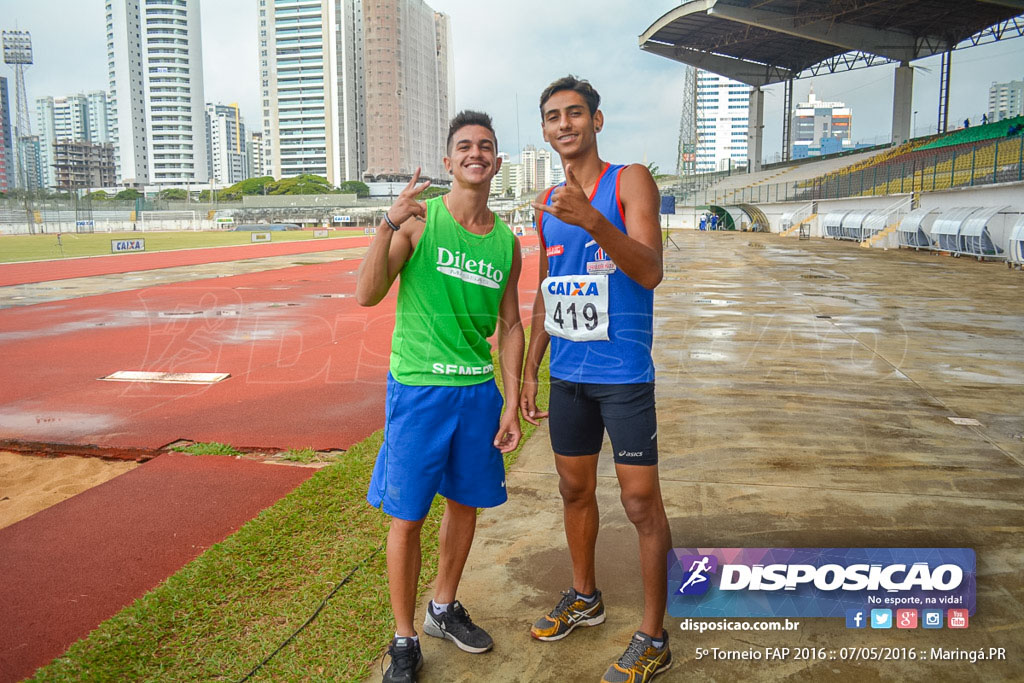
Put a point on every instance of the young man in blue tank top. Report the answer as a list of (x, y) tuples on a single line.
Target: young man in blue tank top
[(601, 259)]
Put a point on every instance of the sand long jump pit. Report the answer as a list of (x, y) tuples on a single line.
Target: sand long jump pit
[(31, 483)]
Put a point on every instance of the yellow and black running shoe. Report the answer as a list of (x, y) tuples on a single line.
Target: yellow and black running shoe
[(641, 662), (571, 611)]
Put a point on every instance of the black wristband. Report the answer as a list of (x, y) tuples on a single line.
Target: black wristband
[(390, 224)]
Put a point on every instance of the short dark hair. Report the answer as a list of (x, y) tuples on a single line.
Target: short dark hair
[(575, 84), (467, 117)]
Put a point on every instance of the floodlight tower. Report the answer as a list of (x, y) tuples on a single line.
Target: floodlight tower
[(687, 155), (18, 54)]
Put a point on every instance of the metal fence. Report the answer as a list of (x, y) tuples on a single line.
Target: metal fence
[(28, 215), (983, 163)]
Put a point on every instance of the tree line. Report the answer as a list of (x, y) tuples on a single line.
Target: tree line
[(265, 185)]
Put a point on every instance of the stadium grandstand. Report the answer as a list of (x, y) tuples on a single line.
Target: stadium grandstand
[(957, 191)]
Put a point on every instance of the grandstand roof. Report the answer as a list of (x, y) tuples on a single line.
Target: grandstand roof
[(760, 42)]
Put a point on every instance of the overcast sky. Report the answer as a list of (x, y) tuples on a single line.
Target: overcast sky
[(506, 51)]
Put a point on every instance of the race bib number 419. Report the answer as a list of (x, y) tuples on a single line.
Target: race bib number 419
[(576, 307)]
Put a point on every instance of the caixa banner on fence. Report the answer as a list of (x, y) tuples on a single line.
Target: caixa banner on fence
[(816, 582), (122, 246)]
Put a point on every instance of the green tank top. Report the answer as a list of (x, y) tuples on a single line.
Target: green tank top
[(448, 297)]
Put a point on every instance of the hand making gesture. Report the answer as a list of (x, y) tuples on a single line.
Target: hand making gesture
[(528, 402), (570, 203), (509, 432), (406, 206)]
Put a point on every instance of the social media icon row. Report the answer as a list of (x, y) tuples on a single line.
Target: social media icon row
[(905, 618)]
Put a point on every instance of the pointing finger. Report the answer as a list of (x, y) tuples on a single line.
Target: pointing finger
[(540, 207)]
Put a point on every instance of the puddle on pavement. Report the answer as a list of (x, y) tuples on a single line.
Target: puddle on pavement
[(707, 355), (713, 334)]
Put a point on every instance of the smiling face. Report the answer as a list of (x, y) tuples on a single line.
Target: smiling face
[(472, 158), (568, 126)]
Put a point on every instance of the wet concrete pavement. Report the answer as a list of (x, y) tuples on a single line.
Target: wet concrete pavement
[(804, 396)]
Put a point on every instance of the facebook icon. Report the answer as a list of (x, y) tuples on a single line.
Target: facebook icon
[(855, 618)]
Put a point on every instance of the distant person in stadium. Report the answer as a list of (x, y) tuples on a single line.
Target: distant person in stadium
[(445, 429), (967, 123), (984, 119), (600, 261)]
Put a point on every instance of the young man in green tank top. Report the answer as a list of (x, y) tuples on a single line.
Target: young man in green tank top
[(445, 428)]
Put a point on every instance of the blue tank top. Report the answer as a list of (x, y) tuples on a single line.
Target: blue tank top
[(625, 358)]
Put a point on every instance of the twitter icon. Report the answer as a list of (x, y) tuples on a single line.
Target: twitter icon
[(881, 618)]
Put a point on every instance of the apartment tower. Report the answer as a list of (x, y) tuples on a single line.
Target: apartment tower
[(226, 150), (312, 88), (257, 153), (73, 118), (723, 107), (1005, 100), (821, 127), (155, 62)]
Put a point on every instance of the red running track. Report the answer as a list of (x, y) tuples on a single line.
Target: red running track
[(70, 567), (306, 370), (63, 269), (307, 364)]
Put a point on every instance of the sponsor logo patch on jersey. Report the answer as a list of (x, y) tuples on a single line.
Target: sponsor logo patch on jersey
[(556, 250), (478, 272), (601, 263), (600, 267)]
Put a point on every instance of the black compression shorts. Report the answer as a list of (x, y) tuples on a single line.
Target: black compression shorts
[(580, 413)]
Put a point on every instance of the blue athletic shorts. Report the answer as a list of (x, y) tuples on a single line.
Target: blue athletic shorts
[(438, 440), (580, 414)]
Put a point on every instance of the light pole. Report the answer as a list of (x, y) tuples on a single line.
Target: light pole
[(914, 132)]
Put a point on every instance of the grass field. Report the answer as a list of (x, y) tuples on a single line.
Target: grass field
[(42, 247), (223, 613)]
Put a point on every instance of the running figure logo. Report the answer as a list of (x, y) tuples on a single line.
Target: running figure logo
[(696, 581)]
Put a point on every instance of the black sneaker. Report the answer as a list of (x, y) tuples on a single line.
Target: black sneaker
[(406, 660), (455, 625)]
